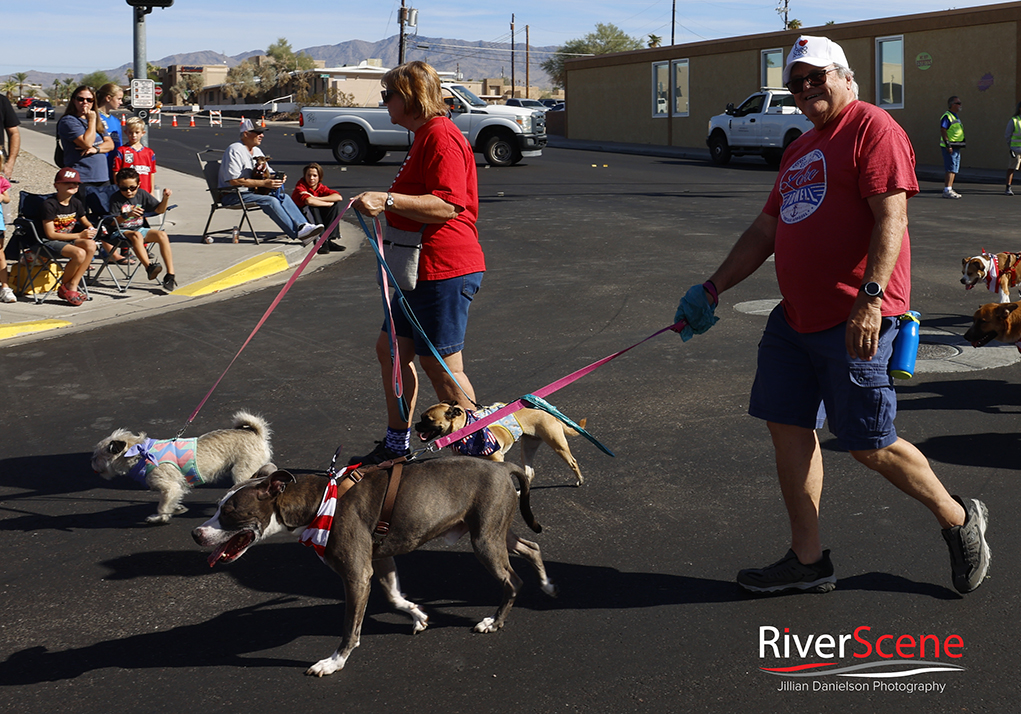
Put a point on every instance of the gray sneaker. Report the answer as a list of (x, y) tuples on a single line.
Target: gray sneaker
[(1008, 192), (790, 574), (969, 552)]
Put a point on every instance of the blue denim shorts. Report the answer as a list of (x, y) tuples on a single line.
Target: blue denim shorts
[(951, 162), (441, 308), (809, 379)]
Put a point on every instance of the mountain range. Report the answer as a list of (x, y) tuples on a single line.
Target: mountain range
[(475, 60)]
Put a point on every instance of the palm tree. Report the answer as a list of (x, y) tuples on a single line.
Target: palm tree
[(8, 86), (794, 24), (655, 41), (21, 77)]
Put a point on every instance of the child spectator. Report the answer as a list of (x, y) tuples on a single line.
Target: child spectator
[(129, 205), (6, 294), (141, 158), (108, 100), (62, 215), (318, 202)]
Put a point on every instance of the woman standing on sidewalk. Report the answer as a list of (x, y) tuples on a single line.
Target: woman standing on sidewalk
[(83, 137)]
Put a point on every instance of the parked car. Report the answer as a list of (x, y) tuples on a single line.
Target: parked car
[(25, 102), (40, 104), (550, 103), (527, 104)]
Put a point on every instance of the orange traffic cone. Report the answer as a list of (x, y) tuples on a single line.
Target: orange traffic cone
[(192, 122), (264, 122), (123, 120), (174, 122)]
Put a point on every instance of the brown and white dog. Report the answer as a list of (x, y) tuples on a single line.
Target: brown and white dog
[(995, 321), (998, 272), (261, 170), (536, 427), (446, 498)]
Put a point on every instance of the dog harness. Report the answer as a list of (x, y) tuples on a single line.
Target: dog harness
[(317, 533), (995, 271), (179, 452), (483, 442)]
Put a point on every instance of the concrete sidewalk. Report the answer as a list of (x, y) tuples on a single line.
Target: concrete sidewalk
[(203, 270)]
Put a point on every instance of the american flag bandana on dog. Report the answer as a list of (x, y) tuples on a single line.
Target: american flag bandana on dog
[(317, 533)]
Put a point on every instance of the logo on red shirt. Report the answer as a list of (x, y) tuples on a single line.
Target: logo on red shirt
[(803, 187)]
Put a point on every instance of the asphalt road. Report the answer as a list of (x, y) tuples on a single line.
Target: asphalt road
[(587, 254)]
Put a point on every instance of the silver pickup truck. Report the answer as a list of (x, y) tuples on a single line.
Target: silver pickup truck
[(504, 135)]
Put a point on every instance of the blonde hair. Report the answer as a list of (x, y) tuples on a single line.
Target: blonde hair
[(135, 123), (419, 87)]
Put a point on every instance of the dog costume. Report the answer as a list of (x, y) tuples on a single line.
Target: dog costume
[(483, 442), (179, 452)]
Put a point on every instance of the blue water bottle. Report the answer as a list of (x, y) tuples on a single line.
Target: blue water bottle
[(905, 346)]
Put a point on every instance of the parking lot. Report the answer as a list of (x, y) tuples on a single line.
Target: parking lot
[(587, 252)]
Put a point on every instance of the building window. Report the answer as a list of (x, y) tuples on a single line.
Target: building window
[(670, 84), (660, 88), (680, 86), (890, 72), (772, 68)]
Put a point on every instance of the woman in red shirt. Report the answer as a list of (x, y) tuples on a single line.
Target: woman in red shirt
[(318, 202), (435, 194)]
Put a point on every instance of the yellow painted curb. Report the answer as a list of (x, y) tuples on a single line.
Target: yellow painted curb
[(251, 269), (14, 329)]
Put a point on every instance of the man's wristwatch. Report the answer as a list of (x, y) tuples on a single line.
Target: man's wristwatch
[(389, 201), (872, 290)]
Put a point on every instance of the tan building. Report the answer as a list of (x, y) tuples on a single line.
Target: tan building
[(908, 65)]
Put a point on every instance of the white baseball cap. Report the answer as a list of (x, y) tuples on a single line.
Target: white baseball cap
[(247, 125), (816, 51)]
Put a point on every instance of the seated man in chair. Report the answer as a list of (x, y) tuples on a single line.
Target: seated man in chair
[(236, 171)]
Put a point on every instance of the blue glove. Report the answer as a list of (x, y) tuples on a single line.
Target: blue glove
[(696, 311)]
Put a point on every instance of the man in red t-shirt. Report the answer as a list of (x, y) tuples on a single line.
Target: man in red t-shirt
[(836, 222)]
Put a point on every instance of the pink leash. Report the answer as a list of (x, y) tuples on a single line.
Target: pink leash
[(542, 392), (273, 306)]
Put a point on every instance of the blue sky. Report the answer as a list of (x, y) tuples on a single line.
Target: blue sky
[(78, 36)]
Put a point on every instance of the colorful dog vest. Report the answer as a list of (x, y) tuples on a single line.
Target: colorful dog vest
[(180, 453), (483, 442)]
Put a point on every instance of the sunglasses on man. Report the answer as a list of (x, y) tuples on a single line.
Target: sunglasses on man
[(815, 79)]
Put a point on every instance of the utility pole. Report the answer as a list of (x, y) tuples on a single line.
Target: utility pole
[(784, 9), (528, 56), (400, 50), (673, 21), (512, 54)]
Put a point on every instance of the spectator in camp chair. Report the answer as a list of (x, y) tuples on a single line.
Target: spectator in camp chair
[(69, 233), (129, 205)]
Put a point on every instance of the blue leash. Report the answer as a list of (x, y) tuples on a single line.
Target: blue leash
[(406, 309), (531, 400)]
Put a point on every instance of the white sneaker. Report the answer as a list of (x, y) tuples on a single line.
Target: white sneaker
[(1008, 192), (950, 193), (7, 295), (308, 232)]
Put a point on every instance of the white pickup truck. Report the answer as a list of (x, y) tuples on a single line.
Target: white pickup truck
[(765, 124), (504, 135)]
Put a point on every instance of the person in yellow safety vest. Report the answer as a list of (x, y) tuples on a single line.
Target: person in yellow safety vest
[(952, 132), (1013, 137)]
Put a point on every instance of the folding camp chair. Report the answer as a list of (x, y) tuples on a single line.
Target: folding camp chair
[(27, 247), (211, 170), (98, 205)]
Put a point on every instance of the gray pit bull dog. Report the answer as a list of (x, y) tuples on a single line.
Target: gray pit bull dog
[(446, 498)]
